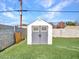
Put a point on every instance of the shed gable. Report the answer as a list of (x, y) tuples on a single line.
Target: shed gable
[(39, 22)]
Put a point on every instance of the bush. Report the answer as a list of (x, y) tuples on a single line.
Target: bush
[(70, 23)]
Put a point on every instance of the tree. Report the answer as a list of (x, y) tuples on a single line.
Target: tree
[(70, 23)]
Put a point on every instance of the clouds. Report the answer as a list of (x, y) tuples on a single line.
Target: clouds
[(17, 21), (3, 6), (11, 18), (10, 15), (50, 5), (58, 7), (7, 14), (45, 3)]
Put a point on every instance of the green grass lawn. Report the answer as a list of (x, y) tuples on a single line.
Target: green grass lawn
[(62, 48)]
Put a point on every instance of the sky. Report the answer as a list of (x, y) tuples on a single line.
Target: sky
[(13, 18)]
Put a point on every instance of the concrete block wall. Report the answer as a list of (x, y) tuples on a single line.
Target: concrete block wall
[(65, 32), (6, 38)]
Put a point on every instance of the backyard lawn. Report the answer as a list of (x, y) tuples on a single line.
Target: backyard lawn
[(62, 48)]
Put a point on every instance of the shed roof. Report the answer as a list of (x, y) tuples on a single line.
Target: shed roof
[(39, 22)]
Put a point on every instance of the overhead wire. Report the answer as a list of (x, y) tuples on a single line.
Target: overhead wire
[(36, 11), (26, 10)]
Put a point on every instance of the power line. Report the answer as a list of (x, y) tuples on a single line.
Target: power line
[(9, 11), (37, 11), (47, 11)]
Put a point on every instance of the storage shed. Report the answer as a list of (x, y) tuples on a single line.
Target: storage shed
[(39, 32)]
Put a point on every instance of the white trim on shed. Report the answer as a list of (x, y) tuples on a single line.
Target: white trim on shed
[(39, 22)]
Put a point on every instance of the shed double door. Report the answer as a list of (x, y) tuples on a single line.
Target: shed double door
[(39, 34)]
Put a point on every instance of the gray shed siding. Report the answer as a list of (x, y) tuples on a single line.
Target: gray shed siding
[(39, 35)]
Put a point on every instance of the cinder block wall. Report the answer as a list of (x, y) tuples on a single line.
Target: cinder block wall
[(6, 37), (65, 32)]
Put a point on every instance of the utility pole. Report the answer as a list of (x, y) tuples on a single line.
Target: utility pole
[(20, 15), (21, 18)]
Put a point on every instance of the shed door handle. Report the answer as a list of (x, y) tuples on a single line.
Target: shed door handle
[(39, 35)]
